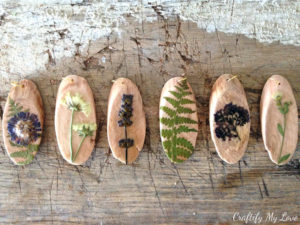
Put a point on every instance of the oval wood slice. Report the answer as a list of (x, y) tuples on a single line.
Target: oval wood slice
[(178, 119), (120, 93), (74, 85), (22, 122), (272, 120), (229, 118)]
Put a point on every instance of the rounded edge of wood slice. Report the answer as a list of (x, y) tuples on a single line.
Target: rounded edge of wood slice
[(25, 93), (226, 89), (170, 86), (269, 112), (74, 84), (137, 131)]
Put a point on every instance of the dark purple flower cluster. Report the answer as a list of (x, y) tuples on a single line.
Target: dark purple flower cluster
[(126, 111), (227, 120), (24, 128)]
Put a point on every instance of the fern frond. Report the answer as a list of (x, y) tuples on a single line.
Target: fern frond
[(170, 112), (14, 108), (184, 120), (178, 148)]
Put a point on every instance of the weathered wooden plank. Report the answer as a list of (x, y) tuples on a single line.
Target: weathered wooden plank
[(153, 190)]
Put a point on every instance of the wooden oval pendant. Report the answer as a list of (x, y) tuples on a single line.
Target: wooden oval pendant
[(178, 119), (279, 119), (126, 122), (229, 118), (75, 119), (23, 121)]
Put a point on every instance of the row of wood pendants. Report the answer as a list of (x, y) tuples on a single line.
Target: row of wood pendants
[(75, 120)]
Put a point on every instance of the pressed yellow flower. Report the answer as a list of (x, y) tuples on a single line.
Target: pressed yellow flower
[(76, 103), (85, 129)]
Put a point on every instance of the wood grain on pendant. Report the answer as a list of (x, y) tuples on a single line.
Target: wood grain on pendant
[(74, 84), (22, 123), (135, 131), (178, 119), (271, 116), (228, 96)]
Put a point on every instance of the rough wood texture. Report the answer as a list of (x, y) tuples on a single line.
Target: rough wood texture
[(136, 131), (271, 117), (228, 89), (201, 190)]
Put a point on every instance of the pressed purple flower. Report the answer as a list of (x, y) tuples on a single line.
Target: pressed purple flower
[(24, 128)]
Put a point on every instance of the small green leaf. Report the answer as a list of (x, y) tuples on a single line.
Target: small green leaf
[(166, 121), (176, 94), (172, 101), (19, 154), (167, 145), (186, 93), (280, 129), (185, 143), (184, 120), (185, 101), (15, 145), (26, 162), (170, 112), (181, 109), (33, 148), (283, 158), (179, 88), (166, 133), (183, 129)]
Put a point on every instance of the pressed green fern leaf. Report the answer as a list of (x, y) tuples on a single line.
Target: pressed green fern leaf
[(176, 122), (15, 108), (26, 154)]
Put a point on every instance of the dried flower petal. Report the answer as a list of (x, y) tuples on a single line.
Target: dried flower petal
[(76, 103)]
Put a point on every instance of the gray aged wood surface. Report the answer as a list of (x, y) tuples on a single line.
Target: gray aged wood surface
[(152, 190)]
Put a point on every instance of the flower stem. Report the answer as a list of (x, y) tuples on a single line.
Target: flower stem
[(71, 147), (284, 126), (77, 151), (126, 151)]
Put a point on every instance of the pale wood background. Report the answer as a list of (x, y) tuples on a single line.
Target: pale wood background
[(153, 191)]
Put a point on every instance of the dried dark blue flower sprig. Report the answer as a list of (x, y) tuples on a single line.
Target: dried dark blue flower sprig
[(227, 120), (125, 113)]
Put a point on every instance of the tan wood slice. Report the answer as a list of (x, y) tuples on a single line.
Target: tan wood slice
[(136, 130), (178, 119), (22, 122), (272, 119), (73, 85), (228, 96)]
